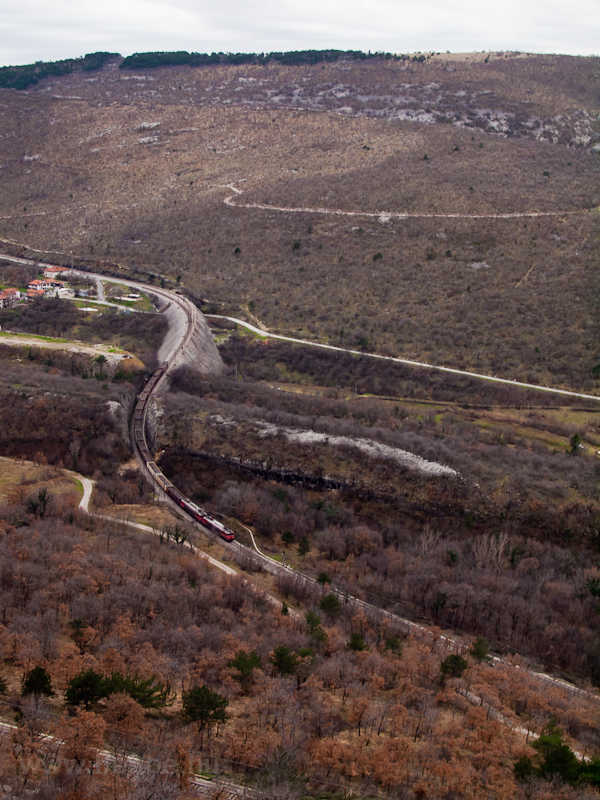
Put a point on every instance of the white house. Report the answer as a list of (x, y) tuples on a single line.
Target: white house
[(55, 272)]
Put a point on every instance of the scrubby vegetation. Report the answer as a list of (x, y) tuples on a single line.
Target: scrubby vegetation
[(515, 135), (516, 523), (296, 705), (66, 419), (271, 360)]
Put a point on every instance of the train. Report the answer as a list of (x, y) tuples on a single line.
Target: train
[(200, 515), (139, 436)]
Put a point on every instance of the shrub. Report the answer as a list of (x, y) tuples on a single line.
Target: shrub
[(284, 660), (356, 643)]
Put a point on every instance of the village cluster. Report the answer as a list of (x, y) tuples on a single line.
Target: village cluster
[(48, 286)]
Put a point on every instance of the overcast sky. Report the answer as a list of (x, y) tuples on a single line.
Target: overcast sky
[(53, 29)]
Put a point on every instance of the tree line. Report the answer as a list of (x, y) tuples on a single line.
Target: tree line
[(22, 77), (287, 58)]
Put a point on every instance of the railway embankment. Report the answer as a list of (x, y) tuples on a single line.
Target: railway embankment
[(199, 349)]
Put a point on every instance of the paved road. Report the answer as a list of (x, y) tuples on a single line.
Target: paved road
[(198, 349), (84, 505), (422, 364), (100, 289), (156, 532), (88, 488), (189, 339), (87, 484), (175, 347)]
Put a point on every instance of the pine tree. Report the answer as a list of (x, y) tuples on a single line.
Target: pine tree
[(37, 682), (303, 547)]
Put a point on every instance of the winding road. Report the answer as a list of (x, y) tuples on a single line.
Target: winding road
[(385, 216), (84, 505), (175, 350), (182, 325), (423, 364)]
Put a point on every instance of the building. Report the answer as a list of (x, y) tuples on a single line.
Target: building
[(55, 272), (9, 298), (47, 285)]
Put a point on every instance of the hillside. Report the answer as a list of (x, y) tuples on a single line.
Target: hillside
[(131, 166), (435, 207), (312, 704)]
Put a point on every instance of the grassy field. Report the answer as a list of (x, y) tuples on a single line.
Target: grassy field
[(143, 304), (87, 304), (155, 516), (28, 480), (42, 339)]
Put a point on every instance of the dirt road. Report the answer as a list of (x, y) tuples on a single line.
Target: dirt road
[(70, 346)]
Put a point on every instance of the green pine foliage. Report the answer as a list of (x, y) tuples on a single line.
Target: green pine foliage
[(356, 643), (284, 660), (556, 761), (287, 58), (37, 682), (453, 666), (88, 687), (330, 604), (27, 75), (244, 664), (202, 705), (480, 650)]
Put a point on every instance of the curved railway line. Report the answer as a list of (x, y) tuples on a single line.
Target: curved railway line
[(139, 437), (210, 524)]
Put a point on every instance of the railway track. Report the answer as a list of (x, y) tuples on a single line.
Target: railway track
[(203, 787), (207, 523)]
